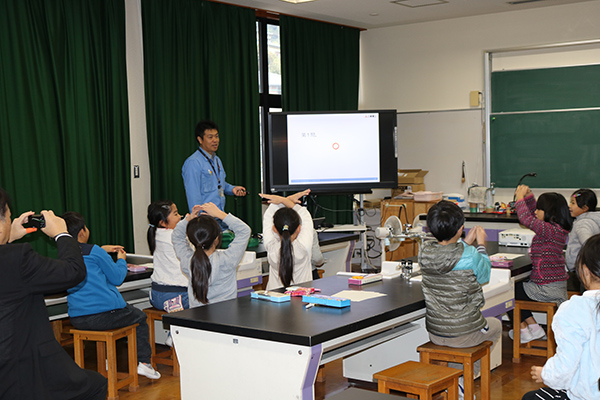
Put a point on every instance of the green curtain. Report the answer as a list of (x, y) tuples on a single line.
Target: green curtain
[(64, 115), (320, 72), (201, 63)]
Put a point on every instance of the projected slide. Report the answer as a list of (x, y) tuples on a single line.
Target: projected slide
[(333, 148)]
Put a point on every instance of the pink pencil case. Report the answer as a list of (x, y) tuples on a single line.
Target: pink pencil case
[(502, 263), (135, 268)]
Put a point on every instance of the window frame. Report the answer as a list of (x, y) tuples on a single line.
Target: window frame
[(267, 101)]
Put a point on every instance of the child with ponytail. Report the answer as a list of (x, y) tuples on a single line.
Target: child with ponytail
[(212, 272), (551, 221), (169, 284), (573, 372), (288, 236)]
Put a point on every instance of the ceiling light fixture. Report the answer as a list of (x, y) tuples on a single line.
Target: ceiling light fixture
[(297, 1), (418, 3), (513, 3)]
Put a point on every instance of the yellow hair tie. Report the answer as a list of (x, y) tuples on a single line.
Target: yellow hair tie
[(285, 228)]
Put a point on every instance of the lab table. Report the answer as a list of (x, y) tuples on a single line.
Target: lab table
[(227, 350), (252, 339)]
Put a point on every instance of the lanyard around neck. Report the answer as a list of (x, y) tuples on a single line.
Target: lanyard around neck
[(213, 167)]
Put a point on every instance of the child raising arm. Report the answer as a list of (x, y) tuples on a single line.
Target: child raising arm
[(549, 218), (288, 235), (212, 272)]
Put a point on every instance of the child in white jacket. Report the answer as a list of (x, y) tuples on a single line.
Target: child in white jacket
[(574, 371), (288, 235), (169, 283)]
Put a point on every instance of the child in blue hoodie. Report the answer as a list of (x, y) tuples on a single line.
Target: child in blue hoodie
[(96, 304)]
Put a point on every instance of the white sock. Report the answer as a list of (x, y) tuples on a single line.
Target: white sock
[(524, 330)]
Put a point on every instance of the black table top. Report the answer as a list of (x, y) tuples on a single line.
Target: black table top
[(520, 264), (291, 323), (327, 238), (491, 217), (136, 276), (485, 217)]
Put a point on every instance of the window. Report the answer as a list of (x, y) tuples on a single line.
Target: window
[(269, 77)]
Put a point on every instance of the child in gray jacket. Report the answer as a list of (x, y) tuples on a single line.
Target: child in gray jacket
[(587, 223), (453, 272), (211, 272)]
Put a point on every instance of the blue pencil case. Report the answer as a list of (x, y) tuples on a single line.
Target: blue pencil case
[(275, 297), (325, 300)]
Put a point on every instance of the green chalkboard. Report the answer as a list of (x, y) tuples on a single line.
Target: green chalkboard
[(563, 148), (561, 144), (546, 89)]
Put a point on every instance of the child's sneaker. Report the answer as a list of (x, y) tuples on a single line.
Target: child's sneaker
[(537, 332), (526, 335), (461, 387), (147, 371)]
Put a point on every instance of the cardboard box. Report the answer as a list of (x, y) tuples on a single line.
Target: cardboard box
[(428, 196), (415, 188), (411, 176)]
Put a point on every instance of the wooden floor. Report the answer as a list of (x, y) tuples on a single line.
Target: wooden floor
[(509, 381)]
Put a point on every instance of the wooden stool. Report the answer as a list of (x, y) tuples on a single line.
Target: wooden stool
[(320, 374), (167, 357), (544, 348), (467, 356), (62, 331), (422, 380), (106, 343)]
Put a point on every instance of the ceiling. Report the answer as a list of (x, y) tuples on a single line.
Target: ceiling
[(369, 14)]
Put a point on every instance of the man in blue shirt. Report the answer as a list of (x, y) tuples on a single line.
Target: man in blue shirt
[(203, 173)]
